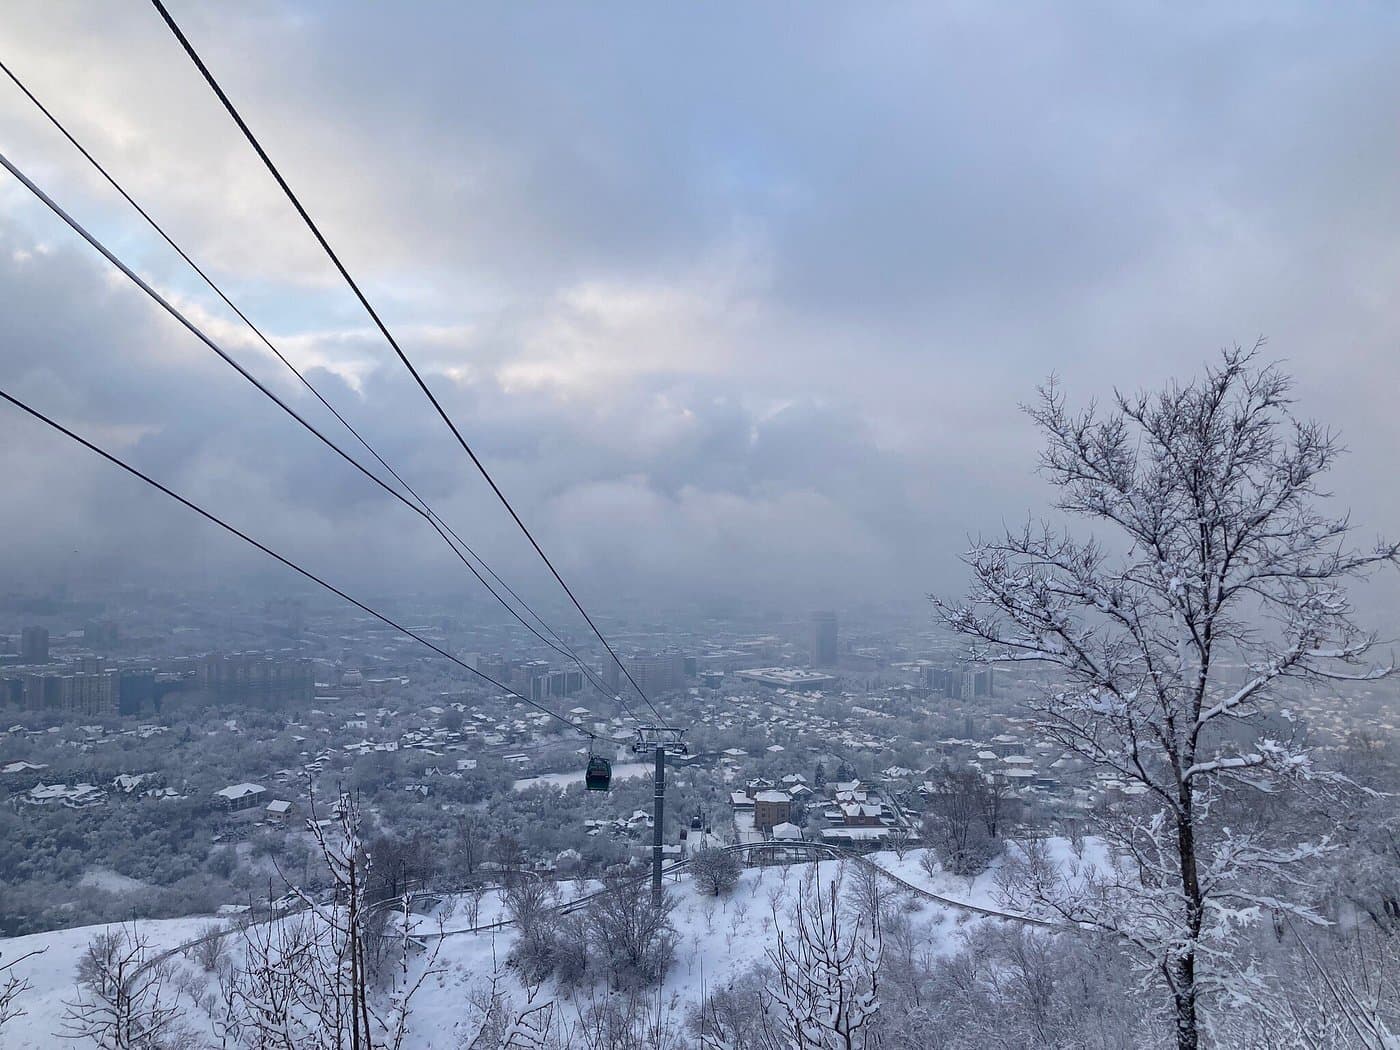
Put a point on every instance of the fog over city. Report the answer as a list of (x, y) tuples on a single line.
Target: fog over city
[(740, 301)]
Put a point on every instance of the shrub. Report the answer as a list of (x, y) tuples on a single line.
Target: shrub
[(715, 871)]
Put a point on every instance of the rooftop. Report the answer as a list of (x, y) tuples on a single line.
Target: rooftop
[(787, 677)]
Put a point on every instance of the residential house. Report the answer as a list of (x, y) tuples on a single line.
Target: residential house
[(237, 797), (771, 808), (280, 811)]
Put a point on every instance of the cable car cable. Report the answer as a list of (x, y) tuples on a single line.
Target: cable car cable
[(307, 573), (384, 330), (160, 230), (424, 512), (567, 650)]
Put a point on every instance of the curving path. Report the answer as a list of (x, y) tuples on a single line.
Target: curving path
[(775, 851), (816, 850)]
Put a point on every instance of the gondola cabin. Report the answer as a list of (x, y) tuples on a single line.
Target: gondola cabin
[(598, 776)]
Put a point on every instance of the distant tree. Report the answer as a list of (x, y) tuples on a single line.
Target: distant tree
[(507, 852), (996, 804), (399, 863), (1213, 491), (715, 871), (209, 949), (468, 846), (865, 891), (222, 861), (527, 900), (372, 773), (954, 824)]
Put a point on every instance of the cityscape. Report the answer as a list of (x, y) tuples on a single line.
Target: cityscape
[(698, 527)]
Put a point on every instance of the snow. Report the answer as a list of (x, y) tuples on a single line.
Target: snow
[(718, 940), (111, 881), (982, 891), (51, 976), (234, 792)]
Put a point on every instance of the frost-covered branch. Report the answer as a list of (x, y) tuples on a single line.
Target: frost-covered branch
[(13, 984), (827, 990)]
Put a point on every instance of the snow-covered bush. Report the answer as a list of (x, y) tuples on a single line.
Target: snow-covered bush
[(715, 871)]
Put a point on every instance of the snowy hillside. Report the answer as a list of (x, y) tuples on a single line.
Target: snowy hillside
[(718, 940)]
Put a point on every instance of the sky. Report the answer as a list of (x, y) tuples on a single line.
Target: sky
[(734, 300)]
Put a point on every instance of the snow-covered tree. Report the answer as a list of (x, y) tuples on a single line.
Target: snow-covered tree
[(276, 999), (960, 811), (826, 988), (125, 999), (634, 935), (503, 1023), (1224, 582), (307, 982), (715, 871), (1346, 992)]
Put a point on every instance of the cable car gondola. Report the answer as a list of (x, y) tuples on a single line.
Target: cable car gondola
[(598, 776)]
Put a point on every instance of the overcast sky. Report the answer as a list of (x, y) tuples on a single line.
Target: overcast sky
[(731, 298)]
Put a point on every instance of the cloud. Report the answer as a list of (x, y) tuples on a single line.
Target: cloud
[(729, 299)]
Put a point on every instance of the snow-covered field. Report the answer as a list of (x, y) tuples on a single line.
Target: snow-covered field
[(52, 975), (982, 892), (718, 939), (111, 881)]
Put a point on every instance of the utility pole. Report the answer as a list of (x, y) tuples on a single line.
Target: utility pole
[(660, 739), (658, 809)]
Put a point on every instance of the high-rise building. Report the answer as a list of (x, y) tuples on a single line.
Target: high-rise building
[(824, 639), (566, 682), (980, 681), (34, 645), (961, 683), (944, 680), (654, 673), (81, 692), (256, 678)]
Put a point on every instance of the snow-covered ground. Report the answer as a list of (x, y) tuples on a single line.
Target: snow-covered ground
[(718, 939), (111, 881), (981, 891), (52, 975)]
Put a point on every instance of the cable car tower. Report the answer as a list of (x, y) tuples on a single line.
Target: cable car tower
[(660, 740)]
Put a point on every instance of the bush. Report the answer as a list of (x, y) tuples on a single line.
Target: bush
[(209, 951), (222, 861), (633, 935), (715, 871)]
